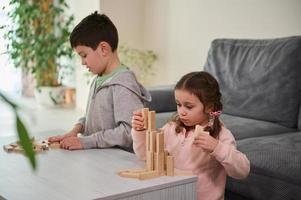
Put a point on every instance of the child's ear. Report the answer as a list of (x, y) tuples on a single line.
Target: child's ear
[(209, 108), (103, 48)]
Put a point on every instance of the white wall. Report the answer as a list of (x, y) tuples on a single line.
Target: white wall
[(180, 31), (81, 9)]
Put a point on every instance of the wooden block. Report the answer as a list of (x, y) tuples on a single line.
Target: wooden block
[(153, 141), (170, 166), (55, 145), (155, 161), (149, 161), (152, 121), (128, 174), (159, 162), (148, 175), (165, 159), (136, 170), (160, 142), (147, 142), (199, 130), (8, 148), (145, 117)]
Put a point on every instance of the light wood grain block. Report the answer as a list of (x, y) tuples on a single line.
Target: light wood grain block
[(149, 161), (145, 117), (148, 175), (170, 166), (153, 135), (160, 142), (152, 121)]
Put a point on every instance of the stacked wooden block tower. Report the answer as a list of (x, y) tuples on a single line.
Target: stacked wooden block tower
[(158, 161)]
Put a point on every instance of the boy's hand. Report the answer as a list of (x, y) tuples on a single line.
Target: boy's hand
[(59, 138), (71, 143), (204, 140), (137, 121)]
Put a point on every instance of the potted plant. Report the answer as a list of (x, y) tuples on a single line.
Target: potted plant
[(38, 42), (140, 61)]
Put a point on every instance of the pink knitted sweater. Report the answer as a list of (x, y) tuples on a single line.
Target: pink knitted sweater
[(211, 168)]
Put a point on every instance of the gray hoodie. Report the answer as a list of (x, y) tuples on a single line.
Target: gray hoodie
[(110, 107)]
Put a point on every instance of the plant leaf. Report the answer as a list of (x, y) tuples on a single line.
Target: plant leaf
[(25, 141)]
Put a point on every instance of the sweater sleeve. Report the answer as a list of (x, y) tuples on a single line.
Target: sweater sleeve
[(235, 162), (125, 102)]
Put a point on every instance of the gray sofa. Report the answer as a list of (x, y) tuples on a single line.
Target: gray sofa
[(260, 82)]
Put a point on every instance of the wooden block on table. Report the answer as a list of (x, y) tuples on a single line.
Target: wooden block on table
[(153, 141), (54, 145), (170, 166), (148, 175), (166, 153), (152, 121), (159, 162), (128, 174), (160, 142), (8, 148), (149, 161), (145, 117), (147, 140)]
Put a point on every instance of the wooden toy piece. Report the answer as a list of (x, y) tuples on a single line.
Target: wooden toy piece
[(159, 162), (152, 143), (165, 159), (54, 145), (199, 130), (147, 142), (148, 175), (8, 148), (170, 166), (136, 170), (149, 161), (152, 121), (127, 174), (160, 142), (145, 117)]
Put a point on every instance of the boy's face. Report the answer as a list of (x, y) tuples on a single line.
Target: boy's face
[(190, 109), (95, 60)]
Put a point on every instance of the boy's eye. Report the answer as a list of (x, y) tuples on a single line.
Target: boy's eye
[(179, 105)]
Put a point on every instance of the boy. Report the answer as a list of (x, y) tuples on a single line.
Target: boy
[(114, 94)]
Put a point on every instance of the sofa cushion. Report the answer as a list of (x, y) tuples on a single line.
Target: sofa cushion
[(275, 167), (163, 99), (242, 127), (259, 79)]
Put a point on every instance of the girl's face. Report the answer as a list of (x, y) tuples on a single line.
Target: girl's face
[(190, 109)]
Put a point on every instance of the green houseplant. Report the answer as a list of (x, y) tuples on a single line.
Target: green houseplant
[(38, 38), (140, 61)]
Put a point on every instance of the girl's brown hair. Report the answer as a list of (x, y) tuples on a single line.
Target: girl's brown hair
[(206, 88)]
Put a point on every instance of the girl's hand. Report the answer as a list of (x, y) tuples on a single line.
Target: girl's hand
[(206, 142), (137, 121)]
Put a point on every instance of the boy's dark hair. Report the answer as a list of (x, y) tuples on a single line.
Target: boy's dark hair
[(206, 88), (94, 29)]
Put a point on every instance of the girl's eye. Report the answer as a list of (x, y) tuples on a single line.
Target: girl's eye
[(189, 107), (178, 105)]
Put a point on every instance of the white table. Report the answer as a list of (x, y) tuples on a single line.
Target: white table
[(84, 174)]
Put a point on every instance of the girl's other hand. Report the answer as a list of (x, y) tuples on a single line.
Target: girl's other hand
[(206, 142), (137, 121)]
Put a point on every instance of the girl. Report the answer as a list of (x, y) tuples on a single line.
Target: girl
[(211, 152)]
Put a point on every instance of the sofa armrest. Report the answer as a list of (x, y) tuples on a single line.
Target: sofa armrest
[(163, 99)]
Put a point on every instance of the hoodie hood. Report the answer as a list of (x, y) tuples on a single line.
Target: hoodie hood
[(128, 80)]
